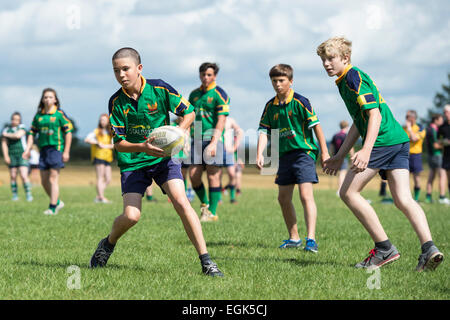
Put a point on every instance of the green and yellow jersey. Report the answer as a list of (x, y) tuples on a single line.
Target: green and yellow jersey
[(295, 119), (360, 94), (51, 128), (133, 120), (209, 103)]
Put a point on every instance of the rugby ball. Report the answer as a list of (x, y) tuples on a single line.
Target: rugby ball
[(168, 138)]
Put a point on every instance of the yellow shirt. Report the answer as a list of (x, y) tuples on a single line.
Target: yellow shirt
[(102, 153), (419, 130)]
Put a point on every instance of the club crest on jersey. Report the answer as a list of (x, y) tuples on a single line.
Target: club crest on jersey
[(290, 113), (275, 116), (152, 108), (52, 119), (210, 99)]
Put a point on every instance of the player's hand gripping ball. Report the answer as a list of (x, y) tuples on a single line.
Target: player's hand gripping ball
[(168, 138)]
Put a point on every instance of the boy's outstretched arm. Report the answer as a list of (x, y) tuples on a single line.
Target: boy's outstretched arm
[(360, 159), (322, 144), (262, 143), (333, 164)]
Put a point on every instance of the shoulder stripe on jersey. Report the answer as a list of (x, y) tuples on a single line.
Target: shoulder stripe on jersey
[(158, 83), (112, 100), (267, 107), (353, 80), (222, 94)]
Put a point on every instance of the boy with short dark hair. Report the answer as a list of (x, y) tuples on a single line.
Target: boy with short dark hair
[(294, 117), (137, 108), (212, 107), (385, 150)]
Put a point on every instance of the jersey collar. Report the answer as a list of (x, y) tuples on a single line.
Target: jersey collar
[(212, 85), (288, 100), (143, 83), (52, 110), (344, 73)]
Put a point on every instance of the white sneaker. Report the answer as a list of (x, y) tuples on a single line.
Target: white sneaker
[(59, 206), (49, 212), (29, 197), (444, 201)]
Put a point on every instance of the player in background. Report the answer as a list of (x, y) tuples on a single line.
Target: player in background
[(54, 132), (296, 120), (211, 104), (232, 139), (385, 150), (137, 108), (33, 173), (336, 143), (416, 134), (101, 156), (444, 139), (239, 168), (434, 150), (14, 141)]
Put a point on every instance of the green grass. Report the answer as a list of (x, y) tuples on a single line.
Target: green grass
[(155, 260)]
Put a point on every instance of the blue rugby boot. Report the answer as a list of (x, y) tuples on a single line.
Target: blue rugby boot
[(291, 244), (311, 245)]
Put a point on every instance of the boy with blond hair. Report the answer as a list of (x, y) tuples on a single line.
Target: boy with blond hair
[(294, 117), (385, 151), (138, 107)]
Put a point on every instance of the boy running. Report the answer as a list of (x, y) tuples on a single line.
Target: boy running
[(385, 151), (211, 109), (295, 118), (136, 109)]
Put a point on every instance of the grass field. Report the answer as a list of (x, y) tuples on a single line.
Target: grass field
[(155, 260)]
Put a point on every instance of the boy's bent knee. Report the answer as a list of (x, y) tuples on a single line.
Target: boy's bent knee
[(132, 217)]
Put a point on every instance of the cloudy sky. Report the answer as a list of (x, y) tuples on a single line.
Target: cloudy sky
[(403, 45)]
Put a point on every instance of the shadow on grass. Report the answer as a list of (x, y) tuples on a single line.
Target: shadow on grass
[(236, 244), (295, 261), (82, 265)]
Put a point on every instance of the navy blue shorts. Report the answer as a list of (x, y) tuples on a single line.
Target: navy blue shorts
[(138, 180), (50, 158), (100, 161), (296, 167), (415, 163), (389, 158), (198, 158)]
